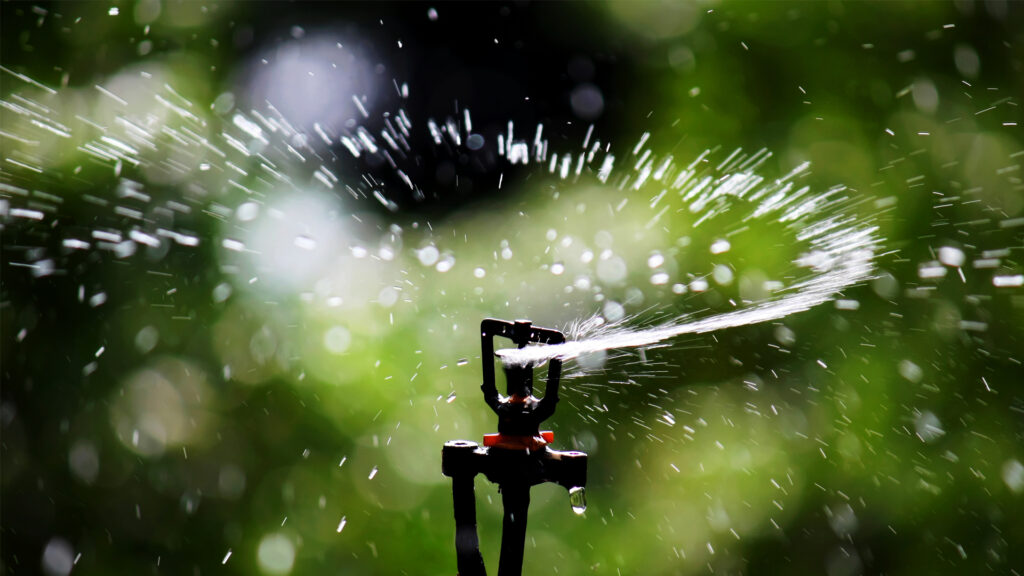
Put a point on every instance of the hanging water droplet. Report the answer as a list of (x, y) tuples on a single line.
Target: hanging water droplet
[(451, 398), (578, 499)]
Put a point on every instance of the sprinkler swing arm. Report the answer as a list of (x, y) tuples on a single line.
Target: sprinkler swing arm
[(516, 458)]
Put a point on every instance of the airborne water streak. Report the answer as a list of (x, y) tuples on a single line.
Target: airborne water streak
[(841, 253), (814, 292), (839, 246)]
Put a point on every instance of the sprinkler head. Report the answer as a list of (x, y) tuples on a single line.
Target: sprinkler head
[(517, 457)]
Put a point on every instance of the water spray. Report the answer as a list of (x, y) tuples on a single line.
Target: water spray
[(517, 457)]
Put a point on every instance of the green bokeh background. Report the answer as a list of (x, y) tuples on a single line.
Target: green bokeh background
[(883, 439)]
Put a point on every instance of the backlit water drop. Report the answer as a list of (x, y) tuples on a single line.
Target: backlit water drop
[(578, 499)]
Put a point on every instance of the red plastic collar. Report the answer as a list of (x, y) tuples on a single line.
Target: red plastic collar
[(508, 441)]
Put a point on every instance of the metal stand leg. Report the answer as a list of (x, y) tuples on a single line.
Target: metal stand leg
[(467, 544), (516, 501)]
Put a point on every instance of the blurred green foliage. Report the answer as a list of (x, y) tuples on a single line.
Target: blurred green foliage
[(211, 415)]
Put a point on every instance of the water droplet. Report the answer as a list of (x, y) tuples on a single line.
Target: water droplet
[(659, 278), (373, 473), (655, 260), (451, 398), (446, 263), (1013, 476), (720, 246), (928, 427), (557, 268), (428, 255), (58, 557), (247, 211), (723, 275), (612, 271), (910, 371), (97, 299), (479, 272), (578, 499), (931, 270), (337, 339), (462, 362), (341, 525), (388, 296), (613, 311), (276, 554), (951, 256), (305, 242), (1006, 281), (226, 557), (84, 461), (222, 292), (146, 339)]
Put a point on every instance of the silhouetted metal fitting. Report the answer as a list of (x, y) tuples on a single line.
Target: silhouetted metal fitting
[(521, 332), (456, 457), (571, 469)]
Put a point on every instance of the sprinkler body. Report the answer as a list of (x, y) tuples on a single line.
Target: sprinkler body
[(516, 458)]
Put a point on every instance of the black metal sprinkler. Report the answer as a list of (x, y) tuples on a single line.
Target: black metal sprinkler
[(516, 458)]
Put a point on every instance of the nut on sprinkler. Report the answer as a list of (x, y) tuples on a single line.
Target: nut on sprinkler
[(517, 457)]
